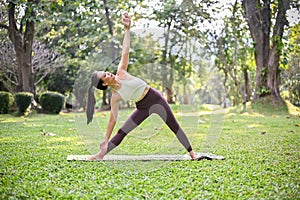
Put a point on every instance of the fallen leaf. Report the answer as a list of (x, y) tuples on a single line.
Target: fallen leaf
[(48, 134), (102, 114), (201, 121)]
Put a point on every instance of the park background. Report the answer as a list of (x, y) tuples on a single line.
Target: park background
[(238, 54)]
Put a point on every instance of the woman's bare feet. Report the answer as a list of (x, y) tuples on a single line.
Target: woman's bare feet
[(101, 153), (193, 155)]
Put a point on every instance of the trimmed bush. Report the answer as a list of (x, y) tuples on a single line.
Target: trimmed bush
[(23, 100), (6, 102), (52, 102)]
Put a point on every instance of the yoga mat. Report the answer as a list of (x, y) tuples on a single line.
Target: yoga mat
[(167, 157)]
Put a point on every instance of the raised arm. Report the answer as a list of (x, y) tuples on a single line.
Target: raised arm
[(126, 44)]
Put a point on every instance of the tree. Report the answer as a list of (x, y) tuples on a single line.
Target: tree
[(180, 23), (21, 32), (233, 56), (44, 62), (80, 29), (267, 44)]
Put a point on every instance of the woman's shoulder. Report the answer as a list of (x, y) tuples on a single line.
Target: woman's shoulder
[(123, 75), (121, 72)]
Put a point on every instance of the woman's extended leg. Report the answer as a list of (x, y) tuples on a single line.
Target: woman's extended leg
[(136, 118), (164, 111)]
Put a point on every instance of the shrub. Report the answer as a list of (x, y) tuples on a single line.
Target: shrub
[(6, 102), (23, 100), (52, 102)]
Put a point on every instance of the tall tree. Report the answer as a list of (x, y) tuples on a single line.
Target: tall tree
[(44, 62), (180, 22), (21, 32), (80, 29), (267, 43), (233, 55)]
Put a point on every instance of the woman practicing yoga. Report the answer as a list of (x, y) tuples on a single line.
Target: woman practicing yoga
[(127, 87)]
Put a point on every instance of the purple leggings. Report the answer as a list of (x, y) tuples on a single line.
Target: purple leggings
[(153, 102)]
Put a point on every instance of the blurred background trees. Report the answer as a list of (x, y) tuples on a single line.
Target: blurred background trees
[(192, 51)]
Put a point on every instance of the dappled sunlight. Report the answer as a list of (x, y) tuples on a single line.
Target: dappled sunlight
[(293, 110), (7, 139), (10, 119), (63, 139), (253, 114), (195, 114), (30, 124), (254, 125), (60, 147)]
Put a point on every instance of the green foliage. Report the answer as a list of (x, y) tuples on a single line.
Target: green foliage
[(23, 100), (234, 56), (263, 91), (78, 29), (52, 102), (291, 70), (6, 102), (62, 80), (277, 40)]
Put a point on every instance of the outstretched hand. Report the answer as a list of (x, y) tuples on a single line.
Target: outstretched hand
[(104, 146), (126, 20), (101, 153)]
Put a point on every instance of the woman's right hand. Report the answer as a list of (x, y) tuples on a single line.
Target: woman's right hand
[(104, 146), (101, 153), (126, 20)]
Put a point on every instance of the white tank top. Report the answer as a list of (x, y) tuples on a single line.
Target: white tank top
[(132, 88)]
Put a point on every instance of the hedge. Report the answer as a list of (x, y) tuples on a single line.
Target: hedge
[(52, 102), (6, 102), (23, 100)]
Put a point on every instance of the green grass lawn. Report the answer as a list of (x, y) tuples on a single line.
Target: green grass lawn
[(261, 150)]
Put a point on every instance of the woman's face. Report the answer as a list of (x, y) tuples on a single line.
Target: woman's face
[(106, 77)]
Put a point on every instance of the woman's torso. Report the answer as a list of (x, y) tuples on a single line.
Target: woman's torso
[(132, 88)]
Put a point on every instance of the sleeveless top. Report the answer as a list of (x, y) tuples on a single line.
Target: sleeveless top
[(132, 88)]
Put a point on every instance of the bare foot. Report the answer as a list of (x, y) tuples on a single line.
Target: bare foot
[(98, 156), (192, 155)]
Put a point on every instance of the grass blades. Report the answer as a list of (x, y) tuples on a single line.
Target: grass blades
[(261, 149)]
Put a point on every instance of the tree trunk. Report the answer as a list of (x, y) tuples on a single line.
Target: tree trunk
[(105, 95), (276, 49), (246, 95), (23, 45), (266, 57), (259, 21), (165, 85), (185, 95), (169, 90)]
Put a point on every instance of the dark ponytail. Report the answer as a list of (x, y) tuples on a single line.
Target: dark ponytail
[(90, 108)]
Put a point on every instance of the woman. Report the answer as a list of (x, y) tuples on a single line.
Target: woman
[(127, 87)]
